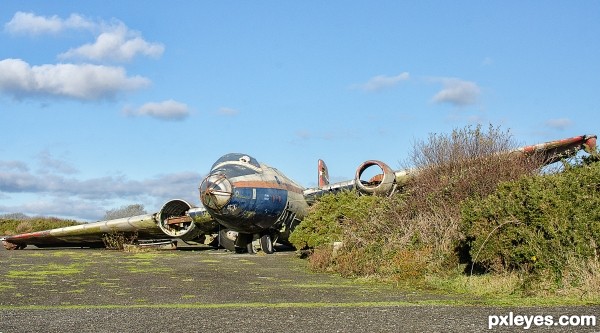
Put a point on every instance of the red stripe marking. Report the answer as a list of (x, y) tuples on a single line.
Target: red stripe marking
[(267, 184)]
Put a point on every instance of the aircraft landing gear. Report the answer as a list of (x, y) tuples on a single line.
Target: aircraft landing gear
[(266, 244), (227, 239), (236, 242), (262, 243)]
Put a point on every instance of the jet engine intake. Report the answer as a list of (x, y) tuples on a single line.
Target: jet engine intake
[(382, 183), (174, 220)]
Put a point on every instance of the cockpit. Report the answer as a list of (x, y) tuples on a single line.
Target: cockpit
[(236, 164), (217, 190)]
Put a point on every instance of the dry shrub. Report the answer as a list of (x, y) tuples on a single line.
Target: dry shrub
[(24, 227), (115, 240), (320, 259), (465, 164), (468, 163), (418, 232)]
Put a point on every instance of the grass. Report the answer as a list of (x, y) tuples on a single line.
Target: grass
[(44, 271), (222, 305)]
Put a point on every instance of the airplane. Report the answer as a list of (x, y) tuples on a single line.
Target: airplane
[(248, 206)]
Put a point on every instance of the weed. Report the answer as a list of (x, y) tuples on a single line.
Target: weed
[(116, 240)]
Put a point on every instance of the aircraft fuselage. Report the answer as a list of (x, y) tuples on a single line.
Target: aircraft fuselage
[(250, 197)]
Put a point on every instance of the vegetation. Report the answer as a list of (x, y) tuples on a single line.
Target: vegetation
[(124, 211), (17, 223), (546, 227), (12, 224), (116, 240), (468, 210)]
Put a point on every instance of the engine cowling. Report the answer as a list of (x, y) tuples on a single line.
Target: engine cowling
[(174, 220), (380, 184)]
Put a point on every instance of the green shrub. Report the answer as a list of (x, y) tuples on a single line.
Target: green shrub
[(323, 225), (540, 225), (18, 224)]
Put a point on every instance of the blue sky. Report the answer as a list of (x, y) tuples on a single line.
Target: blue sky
[(110, 103)]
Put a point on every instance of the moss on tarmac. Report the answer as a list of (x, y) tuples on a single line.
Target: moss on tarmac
[(91, 290)]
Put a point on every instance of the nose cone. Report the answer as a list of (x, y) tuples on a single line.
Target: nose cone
[(215, 191)]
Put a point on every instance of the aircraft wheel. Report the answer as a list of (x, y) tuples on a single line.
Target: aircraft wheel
[(266, 244), (226, 241)]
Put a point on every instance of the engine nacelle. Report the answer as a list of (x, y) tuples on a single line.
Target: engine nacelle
[(174, 220), (380, 184)]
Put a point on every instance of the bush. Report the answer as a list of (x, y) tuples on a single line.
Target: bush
[(19, 223), (323, 225), (542, 226), (116, 240), (442, 219)]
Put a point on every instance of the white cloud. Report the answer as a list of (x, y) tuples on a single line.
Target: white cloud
[(382, 82), (117, 43), (457, 92), (81, 82), (560, 123), (114, 41), (228, 112), (31, 24), (167, 110)]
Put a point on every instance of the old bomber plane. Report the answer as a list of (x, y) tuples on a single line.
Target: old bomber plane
[(248, 205)]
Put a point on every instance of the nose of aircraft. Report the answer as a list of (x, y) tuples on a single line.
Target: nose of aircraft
[(215, 191)]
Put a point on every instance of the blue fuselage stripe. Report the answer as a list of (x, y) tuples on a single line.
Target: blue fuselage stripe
[(253, 209)]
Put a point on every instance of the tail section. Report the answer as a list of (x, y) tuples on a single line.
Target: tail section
[(323, 174)]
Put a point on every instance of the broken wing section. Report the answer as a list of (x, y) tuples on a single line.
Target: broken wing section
[(554, 151), (387, 181), (176, 219)]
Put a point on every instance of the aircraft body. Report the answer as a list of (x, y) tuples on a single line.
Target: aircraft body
[(248, 205)]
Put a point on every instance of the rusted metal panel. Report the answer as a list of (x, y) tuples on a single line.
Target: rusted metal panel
[(179, 220)]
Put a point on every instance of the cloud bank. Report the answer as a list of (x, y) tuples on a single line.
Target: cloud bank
[(58, 191)]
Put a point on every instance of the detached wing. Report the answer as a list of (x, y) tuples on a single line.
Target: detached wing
[(176, 219)]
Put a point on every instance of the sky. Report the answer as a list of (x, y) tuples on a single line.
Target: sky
[(110, 103)]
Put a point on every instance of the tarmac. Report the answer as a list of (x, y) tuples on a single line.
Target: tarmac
[(198, 290)]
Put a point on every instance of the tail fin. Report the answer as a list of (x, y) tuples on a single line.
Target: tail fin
[(323, 174)]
